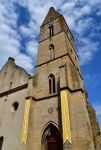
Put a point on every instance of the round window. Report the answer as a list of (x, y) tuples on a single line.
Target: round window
[(15, 106)]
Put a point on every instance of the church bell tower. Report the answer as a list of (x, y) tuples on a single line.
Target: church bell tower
[(59, 118)]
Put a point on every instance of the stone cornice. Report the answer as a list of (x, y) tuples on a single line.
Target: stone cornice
[(13, 90)]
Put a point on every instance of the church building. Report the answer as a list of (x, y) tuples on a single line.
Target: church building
[(49, 110)]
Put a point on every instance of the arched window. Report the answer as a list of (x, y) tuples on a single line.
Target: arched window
[(1, 142), (52, 51), (15, 106), (51, 84), (51, 30)]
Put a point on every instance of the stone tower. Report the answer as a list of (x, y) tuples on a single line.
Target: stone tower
[(50, 110), (59, 101)]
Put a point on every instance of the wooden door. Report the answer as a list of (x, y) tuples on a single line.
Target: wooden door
[(53, 143), (51, 139)]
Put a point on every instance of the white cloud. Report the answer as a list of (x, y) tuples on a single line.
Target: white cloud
[(74, 11), (98, 109), (9, 38), (83, 25), (25, 31), (9, 43), (24, 61), (94, 2), (81, 11), (99, 13), (31, 48), (35, 12), (68, 7), (73, 14), (71, 22), (87, 51)]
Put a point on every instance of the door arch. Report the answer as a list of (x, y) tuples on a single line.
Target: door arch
[(51, 138)]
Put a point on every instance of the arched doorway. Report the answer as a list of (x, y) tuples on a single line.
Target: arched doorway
[(51, 139)]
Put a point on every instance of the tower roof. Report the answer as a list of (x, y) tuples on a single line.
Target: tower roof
[(52, 14)]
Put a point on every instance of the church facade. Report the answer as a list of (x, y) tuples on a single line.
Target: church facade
[(50, 110)]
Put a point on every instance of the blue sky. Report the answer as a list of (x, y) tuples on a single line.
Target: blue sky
[(20, 22)]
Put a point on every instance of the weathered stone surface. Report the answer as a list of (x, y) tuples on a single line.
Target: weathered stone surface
[(17, 86), (98, 142)]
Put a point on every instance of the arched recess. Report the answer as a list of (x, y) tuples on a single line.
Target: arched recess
[(51, 138), (1, 142)]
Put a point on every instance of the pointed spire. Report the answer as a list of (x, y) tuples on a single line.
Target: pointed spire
[(52, 14), (51, 8)]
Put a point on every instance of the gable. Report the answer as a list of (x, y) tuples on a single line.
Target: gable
[(12, 76)]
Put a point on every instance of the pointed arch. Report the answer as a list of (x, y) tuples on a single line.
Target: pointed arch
[(51, 46), (1, 142), (48, 123), (52, 88), (51, 138)]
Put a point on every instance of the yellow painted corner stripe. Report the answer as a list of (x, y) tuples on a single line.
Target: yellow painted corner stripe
[(25, 122), (65, 116)]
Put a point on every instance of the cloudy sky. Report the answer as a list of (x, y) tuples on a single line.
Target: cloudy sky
[(20, 22)]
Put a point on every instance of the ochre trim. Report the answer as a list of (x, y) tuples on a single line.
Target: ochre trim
[(65, 116), (25, 122)]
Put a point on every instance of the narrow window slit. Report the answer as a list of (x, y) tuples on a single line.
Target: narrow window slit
[(52, 89), (51, 30)]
